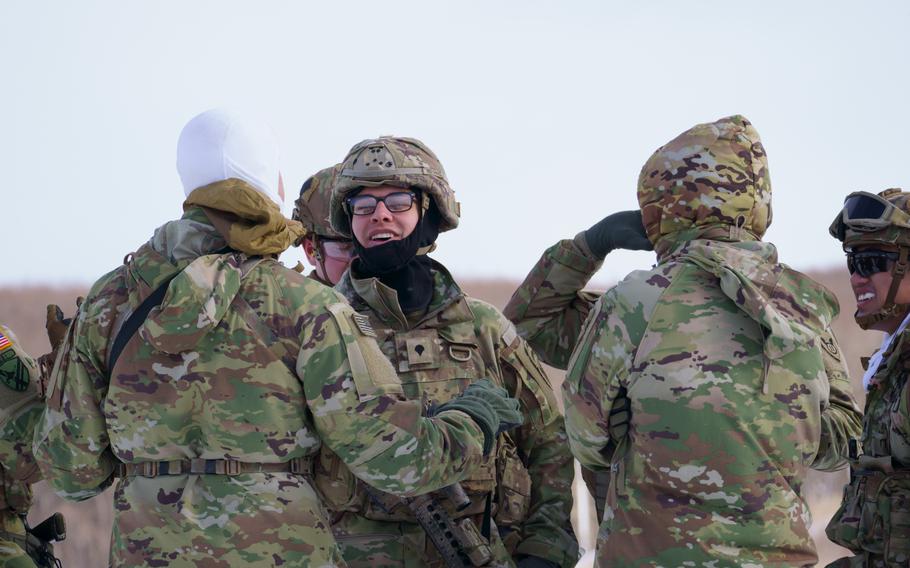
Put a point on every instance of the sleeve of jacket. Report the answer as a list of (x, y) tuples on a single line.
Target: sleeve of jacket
[(360, 412), (842, 419), (71, 442), (598, 369), (547, 530), (549, 307)]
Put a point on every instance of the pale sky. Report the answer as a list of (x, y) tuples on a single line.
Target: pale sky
[(541, 112)]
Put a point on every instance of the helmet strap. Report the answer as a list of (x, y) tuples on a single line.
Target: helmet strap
[(889, 308), (319, 256)]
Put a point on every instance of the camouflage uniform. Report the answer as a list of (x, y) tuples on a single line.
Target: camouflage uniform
[(20, 410), (238, 378), (874, 518), (736, 383), (456, 341)]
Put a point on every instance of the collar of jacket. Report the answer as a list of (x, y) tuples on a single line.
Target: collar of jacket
[(671, 243), (447, 306), (793, 309), (249, 221), (172, 248)]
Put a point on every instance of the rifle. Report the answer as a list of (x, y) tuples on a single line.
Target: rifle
[(459, 543)]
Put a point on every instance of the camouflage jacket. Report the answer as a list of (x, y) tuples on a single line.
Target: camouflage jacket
[(549, 307), (244, 360), (874, 517), (737, 387), (457, 341)]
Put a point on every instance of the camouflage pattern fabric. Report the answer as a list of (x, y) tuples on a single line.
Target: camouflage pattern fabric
[(244, 360), (312, 207), (549, 307), (736, 383), (723, 430), (874, 518), (20, 411), (457, 341), (713, 174)]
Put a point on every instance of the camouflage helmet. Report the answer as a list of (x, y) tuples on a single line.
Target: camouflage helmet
[(869, 220), (390, 160), (712, 174), (312, 207)]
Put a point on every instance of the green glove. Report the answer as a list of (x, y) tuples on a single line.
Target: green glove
[(623, 230), (490, 406)]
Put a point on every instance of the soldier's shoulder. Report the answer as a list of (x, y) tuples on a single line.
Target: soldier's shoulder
[(805, 290), (285, 285), (641, 287)]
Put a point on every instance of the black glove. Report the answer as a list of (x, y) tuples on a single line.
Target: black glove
[(490, 406), (536, 562), (620, 415), (623, 230)]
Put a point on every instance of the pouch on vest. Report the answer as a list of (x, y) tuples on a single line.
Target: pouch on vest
[(894, 507), (513, 485), (334, 482)]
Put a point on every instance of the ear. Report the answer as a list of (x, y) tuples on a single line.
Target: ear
[(309, 250)]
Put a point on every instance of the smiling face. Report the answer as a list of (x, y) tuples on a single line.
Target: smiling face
[(871, 293), (383, 226)]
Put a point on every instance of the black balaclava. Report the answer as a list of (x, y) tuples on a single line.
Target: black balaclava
[(397, 264)]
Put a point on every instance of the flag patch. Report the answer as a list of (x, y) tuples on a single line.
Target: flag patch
[(5, 343)]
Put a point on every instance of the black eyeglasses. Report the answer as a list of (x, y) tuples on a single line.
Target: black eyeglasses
[(397, 202), (869, 262)]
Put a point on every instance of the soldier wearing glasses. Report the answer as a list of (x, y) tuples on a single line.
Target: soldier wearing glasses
[(326, 249), (874, 518), (393, 196)]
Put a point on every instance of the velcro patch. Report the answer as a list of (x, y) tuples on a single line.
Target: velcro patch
[(363, 324), (13, 373)]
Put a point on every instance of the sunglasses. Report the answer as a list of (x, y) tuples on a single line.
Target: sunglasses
[(869, 262), (397, 202)]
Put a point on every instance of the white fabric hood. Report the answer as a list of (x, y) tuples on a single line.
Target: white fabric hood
[(218, 144)]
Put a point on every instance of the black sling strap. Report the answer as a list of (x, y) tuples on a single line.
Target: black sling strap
[(132, 323)]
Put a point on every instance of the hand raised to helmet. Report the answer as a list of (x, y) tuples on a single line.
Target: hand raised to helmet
[(622, 230)]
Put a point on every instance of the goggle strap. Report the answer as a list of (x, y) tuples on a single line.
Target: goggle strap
[(897, 275)]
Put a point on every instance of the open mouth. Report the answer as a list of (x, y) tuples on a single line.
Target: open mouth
[(864, 299), (382, 237)]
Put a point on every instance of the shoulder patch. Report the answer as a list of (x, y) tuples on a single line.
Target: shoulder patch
[(13, 372), (830, 346), (363, 324)]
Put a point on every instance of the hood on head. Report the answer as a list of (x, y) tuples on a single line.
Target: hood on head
[(218, 145), (712, 176)]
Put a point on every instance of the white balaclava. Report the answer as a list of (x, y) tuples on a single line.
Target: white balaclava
[(218, 144)]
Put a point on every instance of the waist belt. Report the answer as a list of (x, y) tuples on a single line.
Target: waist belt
[(198, 466)]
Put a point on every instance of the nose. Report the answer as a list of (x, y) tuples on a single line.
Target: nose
[(381, 213), (857, 280)]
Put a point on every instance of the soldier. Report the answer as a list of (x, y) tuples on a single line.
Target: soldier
[(874, 518), (21, 404), (393, 196), (189, 377), (736, 383), (327, 250)]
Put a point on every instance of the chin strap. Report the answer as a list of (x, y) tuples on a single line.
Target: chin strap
[(889, 308), (317, 254)]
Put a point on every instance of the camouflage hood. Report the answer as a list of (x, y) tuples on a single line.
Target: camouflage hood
[(711, 181), (791, 308), (205, 281)]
